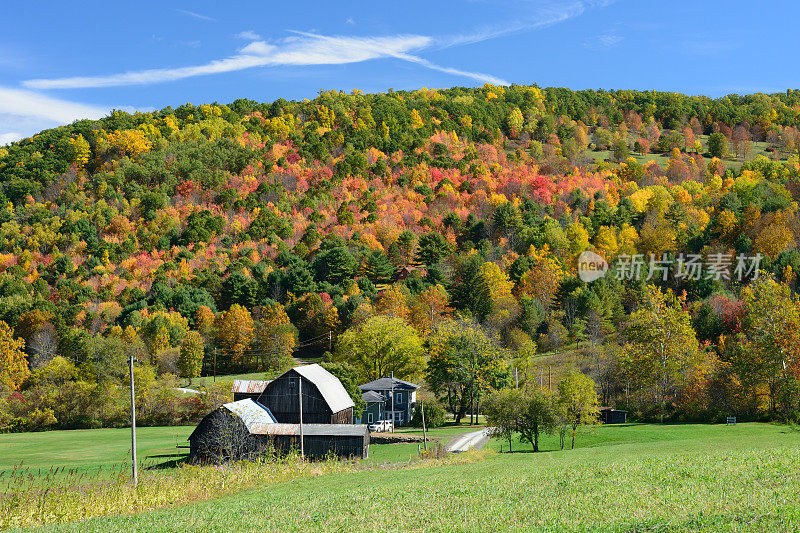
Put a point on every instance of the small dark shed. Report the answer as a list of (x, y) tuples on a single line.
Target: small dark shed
[(247, 388), (325, 400), (613, 416), (246, 430)]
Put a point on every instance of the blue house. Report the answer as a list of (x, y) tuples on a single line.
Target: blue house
[(405, 397), (374, 409)]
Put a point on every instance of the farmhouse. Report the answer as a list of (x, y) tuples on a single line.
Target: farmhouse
[(246, 429), (248, 388), (405, 397), (325, 400), (374, 410)]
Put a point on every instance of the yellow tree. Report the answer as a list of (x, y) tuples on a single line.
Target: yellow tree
[(542, 281), (275, 336), (190, 361), (416, 119), (430, 308), (13, 365), (393, 302), (235, 331)]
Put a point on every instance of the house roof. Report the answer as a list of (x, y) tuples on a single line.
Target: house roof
[(329, 386), (339, 430), (386, 384), (251, 386), (251, 413), (373, 397)]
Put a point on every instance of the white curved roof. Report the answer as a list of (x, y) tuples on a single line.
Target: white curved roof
[(329, 386), (251, 413)]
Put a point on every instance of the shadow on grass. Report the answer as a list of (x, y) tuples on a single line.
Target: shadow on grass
[(178, 460)]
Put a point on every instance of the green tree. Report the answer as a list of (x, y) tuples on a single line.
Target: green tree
[(717, 145), (465, 364), (349, 378), (661, 345), (381, 345), (190, 362), (578, 399), (538, 414), (503, 410)]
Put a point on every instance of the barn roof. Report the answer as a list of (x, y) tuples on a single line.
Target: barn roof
[(339, 430), (373, 397), (252, 413), (251, 386), (329, 386), (386, 384)]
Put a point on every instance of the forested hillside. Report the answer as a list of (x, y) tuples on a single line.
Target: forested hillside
[(433, 233)]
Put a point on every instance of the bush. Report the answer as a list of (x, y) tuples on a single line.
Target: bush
[(434, 415)]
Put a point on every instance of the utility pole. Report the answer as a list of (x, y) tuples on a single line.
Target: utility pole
[(541, 377), (330, 341), (300, 396), (549, 378), (215, 365), (424, 437), (391, 377), (133, 427), (516, 378)]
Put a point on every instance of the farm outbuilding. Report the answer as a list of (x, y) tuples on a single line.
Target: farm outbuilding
[(248, 388), (247, 429), (325, 400), (613, 416)]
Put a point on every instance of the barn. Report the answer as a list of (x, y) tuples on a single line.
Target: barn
[(248, 388), (325, 400), (246, 429)]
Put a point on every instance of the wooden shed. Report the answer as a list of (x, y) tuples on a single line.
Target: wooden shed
[(325, 400), (246, 430), (248, 388), (609, 415)]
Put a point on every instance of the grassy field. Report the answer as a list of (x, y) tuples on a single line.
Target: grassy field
[(622, 478), (89, 450)]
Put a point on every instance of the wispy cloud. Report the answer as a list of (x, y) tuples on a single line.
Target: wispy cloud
[(302, 50), (605, 40), (10, 137), (534, 16), (26, 112), (248, 35), (312, 49), (350, 21), (196, 15), (31, 104)]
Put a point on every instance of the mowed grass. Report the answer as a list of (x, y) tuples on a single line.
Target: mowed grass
[(91, 450), (633, 477)]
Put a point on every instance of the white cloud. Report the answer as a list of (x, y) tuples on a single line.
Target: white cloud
[(302, 50), (24, 113), (196, 15), (10, 137), (350, 21), (529, 18), (31, 104), (248, 35)]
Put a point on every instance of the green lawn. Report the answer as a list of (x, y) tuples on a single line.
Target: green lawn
[(87, 450), (622, 478)]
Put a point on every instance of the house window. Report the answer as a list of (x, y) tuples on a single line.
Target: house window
[(398, 398), (398, 417), (369, 418)]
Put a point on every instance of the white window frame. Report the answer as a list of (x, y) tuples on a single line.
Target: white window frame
[(398, 417), (369, 418), (398, 397)]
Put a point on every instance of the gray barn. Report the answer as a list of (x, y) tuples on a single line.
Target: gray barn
[(325, 400), (246, 430)]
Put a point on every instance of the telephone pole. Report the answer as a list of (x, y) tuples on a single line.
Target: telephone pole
[(133, 427), (215, 365), (300, 395), (391, 377), (424, 436)]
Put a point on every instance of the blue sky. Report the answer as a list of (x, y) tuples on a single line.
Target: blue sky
[(60, 62)]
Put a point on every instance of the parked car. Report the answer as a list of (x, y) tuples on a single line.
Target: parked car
[(381, 426)]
